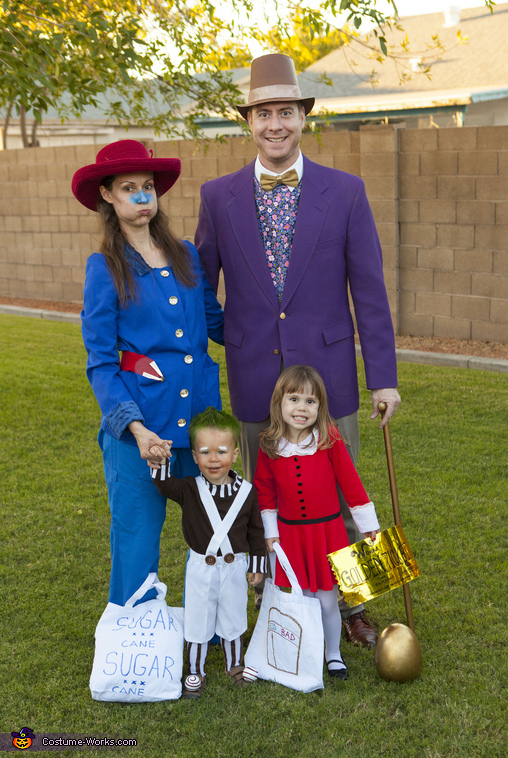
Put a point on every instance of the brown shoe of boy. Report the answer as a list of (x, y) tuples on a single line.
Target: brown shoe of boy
[(236, 674)]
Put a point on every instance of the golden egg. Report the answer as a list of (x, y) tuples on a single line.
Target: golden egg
[(398, 654)]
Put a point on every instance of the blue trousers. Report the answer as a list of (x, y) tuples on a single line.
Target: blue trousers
[(138, 512)]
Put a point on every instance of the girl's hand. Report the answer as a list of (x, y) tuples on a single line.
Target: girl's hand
[(371, 535), (269, 543), (254, 579)]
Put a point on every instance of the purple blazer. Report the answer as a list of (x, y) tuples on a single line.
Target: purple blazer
[(335, 244)]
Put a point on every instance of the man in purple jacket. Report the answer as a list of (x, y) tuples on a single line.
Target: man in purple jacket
[(291, 236)]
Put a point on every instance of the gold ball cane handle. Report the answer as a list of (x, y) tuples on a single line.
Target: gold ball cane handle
[(382, 407)]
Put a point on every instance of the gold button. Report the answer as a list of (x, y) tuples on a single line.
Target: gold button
[(173, 300), (181, 422), (179, 333), (188, 359), (282, 316), (164, 273), (184, 393), (276, 352)]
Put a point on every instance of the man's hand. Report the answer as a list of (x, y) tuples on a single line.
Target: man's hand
[(391, 397)]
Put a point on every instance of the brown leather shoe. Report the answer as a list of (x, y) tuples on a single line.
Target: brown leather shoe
[(236, 675), (359, 630)]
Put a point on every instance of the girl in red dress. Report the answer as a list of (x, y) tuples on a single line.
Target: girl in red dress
[(301, 461)]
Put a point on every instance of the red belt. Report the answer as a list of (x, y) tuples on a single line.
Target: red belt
[(140, 364)]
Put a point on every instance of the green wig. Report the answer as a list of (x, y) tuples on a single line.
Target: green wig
[(214, 419)]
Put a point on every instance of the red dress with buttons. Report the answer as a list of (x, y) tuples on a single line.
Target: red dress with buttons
[(303, 490)]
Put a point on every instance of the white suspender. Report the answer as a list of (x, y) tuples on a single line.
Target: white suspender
[(221, 527)]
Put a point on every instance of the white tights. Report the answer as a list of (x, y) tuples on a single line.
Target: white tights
[(332, 625)]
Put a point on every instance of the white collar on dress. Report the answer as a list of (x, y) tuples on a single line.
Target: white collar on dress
[(297, 165), (308, 446)]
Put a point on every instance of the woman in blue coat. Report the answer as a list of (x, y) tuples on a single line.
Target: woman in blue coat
[(148, 312)]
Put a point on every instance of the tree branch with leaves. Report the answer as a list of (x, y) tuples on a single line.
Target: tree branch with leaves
[(162, 63)]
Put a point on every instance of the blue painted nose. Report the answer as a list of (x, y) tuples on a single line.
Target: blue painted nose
[(141, 198)]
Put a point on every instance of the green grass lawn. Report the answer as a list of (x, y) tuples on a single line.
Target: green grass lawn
[(450, 448)]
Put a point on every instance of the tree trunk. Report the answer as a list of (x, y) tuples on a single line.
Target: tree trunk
[(6, 123), (35, 141), (32, 142), (22, 123)]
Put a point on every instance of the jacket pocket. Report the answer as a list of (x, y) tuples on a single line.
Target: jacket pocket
[(337, 243), (233, 336), (339, 331)]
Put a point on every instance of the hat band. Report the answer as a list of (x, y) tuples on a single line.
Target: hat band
[(275, 92)]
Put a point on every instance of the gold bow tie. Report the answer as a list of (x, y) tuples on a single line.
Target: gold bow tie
[(269, 182)]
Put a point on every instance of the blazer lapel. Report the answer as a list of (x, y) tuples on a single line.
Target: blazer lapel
[(312, 210), (244, 223)]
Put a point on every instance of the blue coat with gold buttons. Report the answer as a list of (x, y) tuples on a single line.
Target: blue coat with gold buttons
[(169, 323)]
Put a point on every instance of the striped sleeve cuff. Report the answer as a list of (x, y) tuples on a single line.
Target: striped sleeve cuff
[(365, 517), (162, 473), (270, 524), (257, 564)]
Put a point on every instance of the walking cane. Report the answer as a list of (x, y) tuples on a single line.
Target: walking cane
[(396, 510)]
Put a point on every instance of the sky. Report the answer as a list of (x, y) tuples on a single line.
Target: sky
[(404, 7), (419, 7)]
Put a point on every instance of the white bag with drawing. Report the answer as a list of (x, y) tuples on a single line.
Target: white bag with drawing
[(139, 650), (287, 645)]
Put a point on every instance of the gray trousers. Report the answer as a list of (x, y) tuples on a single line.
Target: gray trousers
[(348, 427)]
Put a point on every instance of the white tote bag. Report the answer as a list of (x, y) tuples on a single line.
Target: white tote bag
[(139, 651), (287, 645)]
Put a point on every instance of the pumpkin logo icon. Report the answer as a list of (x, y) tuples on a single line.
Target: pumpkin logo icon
[(23, 739)]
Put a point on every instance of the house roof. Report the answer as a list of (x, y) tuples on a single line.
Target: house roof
[(469, 71)]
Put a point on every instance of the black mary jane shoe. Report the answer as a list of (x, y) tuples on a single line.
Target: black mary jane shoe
[(341, 674)]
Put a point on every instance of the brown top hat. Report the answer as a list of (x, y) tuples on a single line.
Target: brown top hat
[(272, 80), (126, 156)]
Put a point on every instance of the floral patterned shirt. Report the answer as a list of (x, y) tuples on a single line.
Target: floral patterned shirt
[(276, 211)]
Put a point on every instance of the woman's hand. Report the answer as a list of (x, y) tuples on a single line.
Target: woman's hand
[(151, 447), (371, 535), (269, 543)]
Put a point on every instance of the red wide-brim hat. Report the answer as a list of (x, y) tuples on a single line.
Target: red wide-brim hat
[(127, 156)]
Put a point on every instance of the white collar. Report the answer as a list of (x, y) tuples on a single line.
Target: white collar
[(224, 490), (308, 446), (297, 165)]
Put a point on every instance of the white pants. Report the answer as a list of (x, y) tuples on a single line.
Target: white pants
[(215, 598)]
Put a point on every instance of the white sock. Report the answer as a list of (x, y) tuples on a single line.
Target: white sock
[(232, 652), (196, 655)]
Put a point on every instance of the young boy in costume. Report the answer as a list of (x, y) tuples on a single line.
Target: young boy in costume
[(221, 522)]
